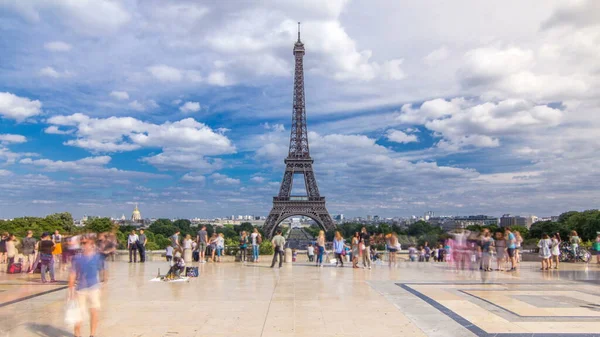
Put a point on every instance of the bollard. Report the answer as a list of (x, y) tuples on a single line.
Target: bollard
[(288, 255)]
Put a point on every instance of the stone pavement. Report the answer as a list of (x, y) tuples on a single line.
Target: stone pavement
[(231, 299)]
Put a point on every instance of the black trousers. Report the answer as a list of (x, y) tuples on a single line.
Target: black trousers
[(142, 251), (278, 252), (133, 252)]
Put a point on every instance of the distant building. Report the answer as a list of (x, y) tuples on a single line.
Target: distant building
[(136, 216), (526, 221)]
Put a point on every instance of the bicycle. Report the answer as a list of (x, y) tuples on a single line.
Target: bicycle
[(567, 255)]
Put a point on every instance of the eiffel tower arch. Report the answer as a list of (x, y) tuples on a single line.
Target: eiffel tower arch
[(298, 162)]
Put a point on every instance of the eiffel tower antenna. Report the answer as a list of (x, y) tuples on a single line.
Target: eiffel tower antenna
[(298, 162)]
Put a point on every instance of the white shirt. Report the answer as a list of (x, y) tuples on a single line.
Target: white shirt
[(253, 236), (132, 238), (187, 244), (311, 250), (220, 242)]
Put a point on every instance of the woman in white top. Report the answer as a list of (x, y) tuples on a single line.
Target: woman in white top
[(555, 250), (220, 246), (320, 248), (545, 251), (256, 239), (187, 249)]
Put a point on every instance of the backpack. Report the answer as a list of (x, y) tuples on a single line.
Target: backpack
[(259, 239), (191, 271), (14, 268)]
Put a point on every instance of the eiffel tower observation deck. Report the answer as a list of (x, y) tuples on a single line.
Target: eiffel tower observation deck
[(298, 162)]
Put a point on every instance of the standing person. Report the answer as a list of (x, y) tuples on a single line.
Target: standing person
[(365, 239), (310, 251), (427, 251), (243, 246), (355, 249), (441, 253), (555, 250), (175, 241), (202, 239), (212, 244), (545, 253), (169, 253), (256, 241), (278, 242), (11, 250), (57, 239), (487, 245), (596, 247), (142, 241), (105, 247), (28, 243), (84, 283), (338, 248), (187, 249), (393, 246), (46, 258), (500, 244), (320, 248), (412, 253), (511, 247), (3, 238), (132, 246), (519, 244), (575, 241), (220, 246)]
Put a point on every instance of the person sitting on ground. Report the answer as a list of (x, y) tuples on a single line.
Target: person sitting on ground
[(177, 268), (310, 251)]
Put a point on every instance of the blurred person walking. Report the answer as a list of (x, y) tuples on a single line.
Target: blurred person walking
[(202, 240), (11, 250), (511, 247), (393, 247), (555, 250), (243, 246), (487, 247), (220, 246), (575, 241), (84, 283), (500, 244), (57, 238), (355, 249), (597, 247), (3, 238)]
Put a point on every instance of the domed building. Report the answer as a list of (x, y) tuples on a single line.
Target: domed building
[(136, 216)]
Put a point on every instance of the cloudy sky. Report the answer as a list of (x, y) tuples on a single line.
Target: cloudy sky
[(184, 107)]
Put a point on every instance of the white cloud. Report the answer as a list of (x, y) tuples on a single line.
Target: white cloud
[(135, 105), (190, 177), (12, 138), (398, 136), (218, 78), (18, 108), (189, 107), (57, 46), (165, 73), (257, 179), (5, 173), (221, 179), (437, 56), (120, 95), (51, 72)]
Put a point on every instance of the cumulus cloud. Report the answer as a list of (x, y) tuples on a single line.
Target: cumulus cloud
[(18, 108), (398, 136), (120, 95), (189, 107), (165, 73), (184, 143), (437, 56), (51, 72), (257, 179), (12, 138), (221, 179), (190, 177), (57, 46)]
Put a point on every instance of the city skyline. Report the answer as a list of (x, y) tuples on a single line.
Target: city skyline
[(184, 108)]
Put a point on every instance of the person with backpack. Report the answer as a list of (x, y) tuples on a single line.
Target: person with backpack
[(46, 258), (256, 241)]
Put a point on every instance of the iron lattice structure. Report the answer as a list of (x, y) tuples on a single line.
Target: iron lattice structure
[(298, 162)]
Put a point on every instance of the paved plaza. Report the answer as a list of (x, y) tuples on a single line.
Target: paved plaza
[(231, 299)]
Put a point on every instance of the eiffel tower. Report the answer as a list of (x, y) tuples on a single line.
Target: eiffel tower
[(298, 162)]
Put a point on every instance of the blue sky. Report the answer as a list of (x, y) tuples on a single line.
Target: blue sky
[(184, 107)]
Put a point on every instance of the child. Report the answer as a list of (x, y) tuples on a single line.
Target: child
[(294, 255), (177, 268), (169, 253), (310, 250), (545, 253)]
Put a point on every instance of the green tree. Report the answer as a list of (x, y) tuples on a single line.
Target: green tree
[(99, 225)]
